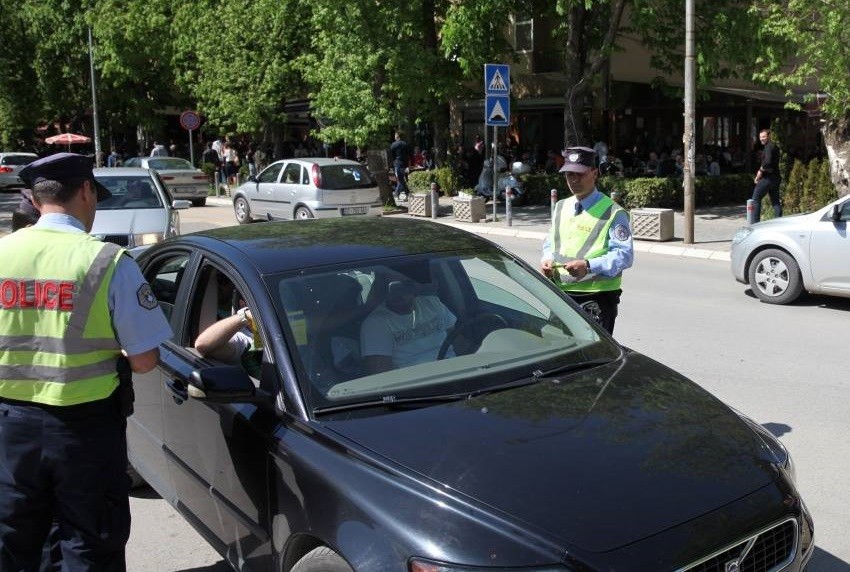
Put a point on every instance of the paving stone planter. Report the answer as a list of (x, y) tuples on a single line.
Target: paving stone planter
[(652, 224), (419, 204), (468, 209)]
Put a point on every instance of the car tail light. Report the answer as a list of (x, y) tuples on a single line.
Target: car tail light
[(200, 177), (167, 178), (316, 175), (5, 169)]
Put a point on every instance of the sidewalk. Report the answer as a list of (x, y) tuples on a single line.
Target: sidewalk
[(713, 227)]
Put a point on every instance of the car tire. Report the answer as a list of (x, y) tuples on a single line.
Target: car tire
[(775, 277), (322, 559), (199, 202), (242, 210), (302, 213)]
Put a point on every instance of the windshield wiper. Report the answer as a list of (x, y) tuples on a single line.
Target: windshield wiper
[(570, 368), (391, 401)]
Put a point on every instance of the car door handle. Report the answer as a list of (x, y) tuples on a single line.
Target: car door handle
[(178, 390)]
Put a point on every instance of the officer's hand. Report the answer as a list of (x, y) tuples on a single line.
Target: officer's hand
[(546, 268), (576, 268)]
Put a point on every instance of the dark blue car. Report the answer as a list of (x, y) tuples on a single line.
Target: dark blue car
[(413, 398)]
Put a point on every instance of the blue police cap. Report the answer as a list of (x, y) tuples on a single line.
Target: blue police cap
[(578, 160), (62, 167)]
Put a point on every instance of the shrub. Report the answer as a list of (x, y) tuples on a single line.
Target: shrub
[(420, 181)]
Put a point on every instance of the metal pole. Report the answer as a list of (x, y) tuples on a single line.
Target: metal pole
[(435, 203), (688, 136), (495, 171), (509, 193), (191, 151), (97, 153)]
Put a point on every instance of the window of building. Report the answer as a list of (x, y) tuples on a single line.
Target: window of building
[(524, 35)]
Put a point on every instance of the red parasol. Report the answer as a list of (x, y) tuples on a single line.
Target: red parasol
[(67, 139)]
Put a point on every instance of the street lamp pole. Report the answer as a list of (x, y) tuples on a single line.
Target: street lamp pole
[(688, 136), (97, 153)]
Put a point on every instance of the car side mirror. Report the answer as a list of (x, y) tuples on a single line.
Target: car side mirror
[(252, 178), (221, 384), (180, 204)]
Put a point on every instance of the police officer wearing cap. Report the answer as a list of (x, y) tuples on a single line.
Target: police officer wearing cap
[(70, 306), (590, 241)]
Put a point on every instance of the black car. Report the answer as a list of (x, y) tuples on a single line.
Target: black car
[(521, 437)]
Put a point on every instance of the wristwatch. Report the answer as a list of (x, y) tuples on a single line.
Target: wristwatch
[(587, 264)]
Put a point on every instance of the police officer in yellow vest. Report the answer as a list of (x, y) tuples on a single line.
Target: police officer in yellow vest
[(590, 242), (70, 305)]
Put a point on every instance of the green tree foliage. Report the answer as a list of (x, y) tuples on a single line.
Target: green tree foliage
[(802, 41), (236, 58)]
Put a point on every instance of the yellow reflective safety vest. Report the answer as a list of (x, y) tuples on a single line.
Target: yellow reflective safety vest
[(57, 343), (579, 237)]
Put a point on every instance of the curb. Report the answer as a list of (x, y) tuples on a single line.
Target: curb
[(483, 228)]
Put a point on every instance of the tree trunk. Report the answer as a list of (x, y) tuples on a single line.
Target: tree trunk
[(836, 137)]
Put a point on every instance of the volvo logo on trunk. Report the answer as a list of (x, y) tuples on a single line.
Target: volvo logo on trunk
[(733, 566)]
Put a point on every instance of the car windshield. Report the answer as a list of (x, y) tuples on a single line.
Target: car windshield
[(169, 164), (423, 327), (341, 177), (131, 192), (18, 159)]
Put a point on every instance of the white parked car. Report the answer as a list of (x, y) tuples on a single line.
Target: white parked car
[(10, 165), (780, 258), (315, 187), (184, 180), (140, 212)]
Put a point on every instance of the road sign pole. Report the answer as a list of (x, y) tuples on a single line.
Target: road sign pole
[(191, 150), (495, 161)]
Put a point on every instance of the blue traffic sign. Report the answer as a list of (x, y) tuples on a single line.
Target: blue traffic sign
[(497, 110), (497, 79)]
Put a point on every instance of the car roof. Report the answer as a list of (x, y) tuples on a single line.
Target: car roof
[(120, 171), (321, 161), (273, 247)]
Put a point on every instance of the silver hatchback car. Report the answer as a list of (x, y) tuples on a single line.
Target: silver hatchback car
[(315, 187), (10, 165), (780, 258)]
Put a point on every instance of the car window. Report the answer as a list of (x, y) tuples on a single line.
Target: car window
[(165, 277), (292, 174), (305, 177), (341, 177), (133, 162), (169, 163), (217, 298), (270, 174), (129, 192), (17, 160), (474, 319)]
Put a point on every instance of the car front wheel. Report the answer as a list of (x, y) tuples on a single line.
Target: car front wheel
[(242, 211), (322, 559), (775, 277)]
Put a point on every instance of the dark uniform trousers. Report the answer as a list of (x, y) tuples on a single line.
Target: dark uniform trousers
[(66, 465), (601, 306)]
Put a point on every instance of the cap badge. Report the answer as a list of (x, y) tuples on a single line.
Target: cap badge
[(574, 157)]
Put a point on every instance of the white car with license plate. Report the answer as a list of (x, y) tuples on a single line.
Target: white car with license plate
[(315, 187), (184, 180), (782, 257), (140, 211)]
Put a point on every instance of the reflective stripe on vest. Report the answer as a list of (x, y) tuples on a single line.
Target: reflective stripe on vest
[(579, 237), (58, 349)]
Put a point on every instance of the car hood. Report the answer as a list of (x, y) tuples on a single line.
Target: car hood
[(130, 221), (598, 459)]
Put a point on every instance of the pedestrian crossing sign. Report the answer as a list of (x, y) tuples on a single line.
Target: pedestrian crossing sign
[(497, 79), (497, 110)]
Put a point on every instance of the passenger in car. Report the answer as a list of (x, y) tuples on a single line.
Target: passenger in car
[(405, 329), (233, 340)]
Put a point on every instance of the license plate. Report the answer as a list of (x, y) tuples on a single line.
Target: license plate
[(354, 211)]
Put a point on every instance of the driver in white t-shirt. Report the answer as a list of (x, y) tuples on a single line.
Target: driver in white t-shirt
[(406, 329)]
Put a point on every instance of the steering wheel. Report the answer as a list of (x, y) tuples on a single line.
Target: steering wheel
[(496, 322)]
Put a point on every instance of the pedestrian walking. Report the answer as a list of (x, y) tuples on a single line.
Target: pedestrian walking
[(75, 312), (768, 178), (400, 153), (590, 243), (159, 150)]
